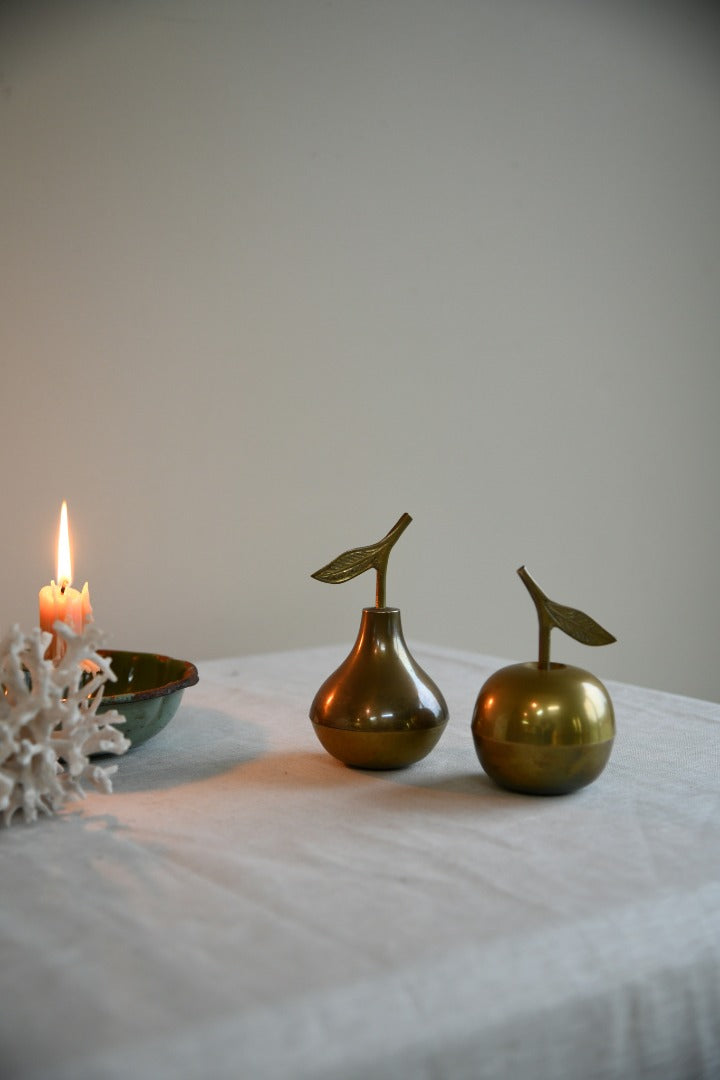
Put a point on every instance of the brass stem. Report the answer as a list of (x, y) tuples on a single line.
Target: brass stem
[(544, 622), (544, 646), (388, 542), (397, 530), (380, 585)]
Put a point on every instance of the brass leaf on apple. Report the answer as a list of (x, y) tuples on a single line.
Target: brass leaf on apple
[(576, 624)]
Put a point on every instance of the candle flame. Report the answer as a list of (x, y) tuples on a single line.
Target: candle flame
[(64, 562)]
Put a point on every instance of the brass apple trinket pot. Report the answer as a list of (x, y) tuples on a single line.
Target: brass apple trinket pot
[(544, 728), (379, 709)]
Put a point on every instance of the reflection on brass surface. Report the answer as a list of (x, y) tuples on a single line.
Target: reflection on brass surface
[(379, 709), (378, 750), (543, 731), (542, 771), (544, 728)]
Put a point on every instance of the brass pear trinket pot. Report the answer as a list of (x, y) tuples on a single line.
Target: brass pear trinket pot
[(545, 728), (379, 709)]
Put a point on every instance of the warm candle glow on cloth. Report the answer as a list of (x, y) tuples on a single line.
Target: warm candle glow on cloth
[(59, 602)]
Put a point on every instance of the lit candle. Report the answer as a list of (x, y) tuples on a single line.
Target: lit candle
[(59, 602)]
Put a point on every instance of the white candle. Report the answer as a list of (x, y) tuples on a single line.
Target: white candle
[(58, 600)]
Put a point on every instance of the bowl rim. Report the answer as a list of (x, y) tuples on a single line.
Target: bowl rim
[(188, 678)]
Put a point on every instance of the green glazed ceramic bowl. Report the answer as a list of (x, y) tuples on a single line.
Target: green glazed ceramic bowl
[(148, 691)]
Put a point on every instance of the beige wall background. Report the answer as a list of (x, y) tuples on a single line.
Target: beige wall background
[(275, 272)]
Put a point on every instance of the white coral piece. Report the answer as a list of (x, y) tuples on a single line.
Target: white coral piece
[(49, 725)]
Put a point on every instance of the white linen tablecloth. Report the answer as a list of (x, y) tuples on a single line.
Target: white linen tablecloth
[(245, 906)]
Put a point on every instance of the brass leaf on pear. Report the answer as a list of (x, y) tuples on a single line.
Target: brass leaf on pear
[(357, 560), (349, 565)]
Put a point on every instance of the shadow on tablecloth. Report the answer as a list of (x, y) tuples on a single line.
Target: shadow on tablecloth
[(198, 745)]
